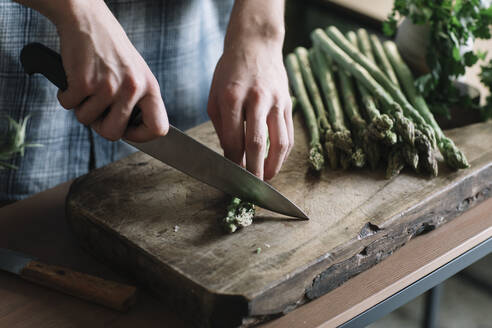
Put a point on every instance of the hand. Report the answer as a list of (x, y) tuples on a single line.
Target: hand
[(104, 71), (250, 86)]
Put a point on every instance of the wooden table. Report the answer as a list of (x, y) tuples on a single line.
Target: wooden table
[(37, 226)]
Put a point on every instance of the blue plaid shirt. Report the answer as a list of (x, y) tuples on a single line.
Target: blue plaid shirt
[(181, 42)]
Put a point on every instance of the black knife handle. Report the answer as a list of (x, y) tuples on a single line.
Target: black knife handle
[(37, 58)]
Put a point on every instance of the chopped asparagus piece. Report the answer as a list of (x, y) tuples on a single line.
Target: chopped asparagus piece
[(239, 215)]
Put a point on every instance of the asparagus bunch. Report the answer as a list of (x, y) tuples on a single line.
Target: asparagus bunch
[(452, 155), (403, 126), (379, 76), (408, 152)]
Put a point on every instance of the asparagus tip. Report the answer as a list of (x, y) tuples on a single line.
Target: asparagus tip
[(453, 156), (316, 159), (358, 158), (343, 140), (395, 163), (426, 153), (411, 156), (405, 128)]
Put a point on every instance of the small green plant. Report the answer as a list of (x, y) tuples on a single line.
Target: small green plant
[(14, 142), (452, 23)]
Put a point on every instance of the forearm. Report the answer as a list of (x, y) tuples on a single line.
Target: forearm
[(58, 11), (256, 20)]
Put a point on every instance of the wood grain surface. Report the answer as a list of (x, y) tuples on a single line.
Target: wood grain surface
[(112, 294), (127, 214), (413, 261)]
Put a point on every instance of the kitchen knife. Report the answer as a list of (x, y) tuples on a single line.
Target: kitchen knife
[(176, 148), (90, 288)]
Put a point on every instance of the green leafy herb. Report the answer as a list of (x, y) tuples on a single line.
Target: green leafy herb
[(452, 23), (14, 142)]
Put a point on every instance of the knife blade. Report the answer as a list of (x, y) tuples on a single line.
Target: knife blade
[(178, 149), (90, 288)]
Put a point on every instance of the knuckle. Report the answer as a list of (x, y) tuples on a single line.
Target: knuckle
[(277, 111), (231, 95), (256, 143), (109, 87), (85, 85), (257, 92), (283, 145), (131, 85)]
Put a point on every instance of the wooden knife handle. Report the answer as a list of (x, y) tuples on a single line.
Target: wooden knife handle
[(90, 288)]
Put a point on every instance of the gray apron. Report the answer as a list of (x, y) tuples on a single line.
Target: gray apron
[(180, 40)]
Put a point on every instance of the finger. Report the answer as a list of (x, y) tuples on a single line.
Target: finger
[(232, 126), (113, 125), (279, 142), (91, 109), (256, 138), (290, 127), (155, 122), (76, 93), (214, 114)]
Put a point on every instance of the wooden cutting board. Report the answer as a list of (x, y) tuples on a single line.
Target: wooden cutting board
[(144, 217)]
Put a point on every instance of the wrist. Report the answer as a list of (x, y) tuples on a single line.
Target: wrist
[(255, 34)]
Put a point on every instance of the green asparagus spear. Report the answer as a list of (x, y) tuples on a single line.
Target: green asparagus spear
[(403, 126), (427, 159), (342, 137), (380, 125), (363, 43), (357, 122), (452, 155), (395, 163), (347, 159), (325, 129), (382, 60), (239, 214), (294, 103), (379, 76), (410, 154), (316, 159)]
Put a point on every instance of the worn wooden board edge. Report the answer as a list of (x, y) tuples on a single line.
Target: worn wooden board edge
[(325, 275), (195, 304), (203, 307)]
